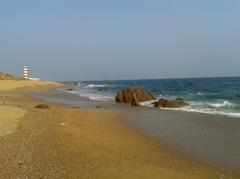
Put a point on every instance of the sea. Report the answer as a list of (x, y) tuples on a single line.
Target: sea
[(205, 95)]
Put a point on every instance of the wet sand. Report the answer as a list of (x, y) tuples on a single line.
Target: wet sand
[(211, 139)]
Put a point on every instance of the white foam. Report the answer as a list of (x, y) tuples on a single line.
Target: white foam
[(92, 95), (147, 103), (202, 107), (95, 86), (205, 111), (223, 104), (96, 97), (100, 97)]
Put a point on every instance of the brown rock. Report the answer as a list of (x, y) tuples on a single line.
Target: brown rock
[(127, 97), (119, 97), (163, 103), (133, 96), (151, 95)]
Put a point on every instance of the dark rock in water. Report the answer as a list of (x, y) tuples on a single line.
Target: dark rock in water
[(98, 107), (42, 106), (70, 89), (163, 103), (133, 96)]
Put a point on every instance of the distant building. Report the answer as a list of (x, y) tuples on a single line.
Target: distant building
[(34, 78), (25, 74)]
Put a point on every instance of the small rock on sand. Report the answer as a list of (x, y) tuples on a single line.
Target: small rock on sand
[(42, 106)]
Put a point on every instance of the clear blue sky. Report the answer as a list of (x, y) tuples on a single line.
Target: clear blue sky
[(125, 39)]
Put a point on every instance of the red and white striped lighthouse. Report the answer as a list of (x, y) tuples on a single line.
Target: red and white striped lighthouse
[(25, 72)]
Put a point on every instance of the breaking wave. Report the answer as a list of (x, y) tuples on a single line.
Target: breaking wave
[(95, 86), (226, 104)]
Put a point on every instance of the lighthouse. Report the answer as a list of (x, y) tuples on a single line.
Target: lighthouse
[(25, 72)]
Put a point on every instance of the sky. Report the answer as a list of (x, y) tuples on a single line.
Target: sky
[(65, 40)]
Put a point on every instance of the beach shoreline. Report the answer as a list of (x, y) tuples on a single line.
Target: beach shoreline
[(208, 138), (71, 142)]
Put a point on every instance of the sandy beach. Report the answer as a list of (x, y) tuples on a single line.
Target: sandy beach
[(211, 139), (64, 142), (119, 89)]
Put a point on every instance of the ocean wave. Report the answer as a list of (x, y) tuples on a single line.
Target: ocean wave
[(95, 86), (226, 104), (207, 111), (226, 108)]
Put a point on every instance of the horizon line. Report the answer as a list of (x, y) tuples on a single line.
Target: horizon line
[(138, 79)]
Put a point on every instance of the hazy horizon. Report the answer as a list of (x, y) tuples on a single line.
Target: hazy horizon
[(105, 40), (139, 79)]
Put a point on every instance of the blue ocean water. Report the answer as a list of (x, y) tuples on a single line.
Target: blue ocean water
[(206, 95)]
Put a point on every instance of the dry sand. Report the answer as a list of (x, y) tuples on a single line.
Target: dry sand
[(9, 85), (9, 116), (75, 143)]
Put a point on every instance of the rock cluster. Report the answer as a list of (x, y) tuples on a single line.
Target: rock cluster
[(163, 103), (133, 96)]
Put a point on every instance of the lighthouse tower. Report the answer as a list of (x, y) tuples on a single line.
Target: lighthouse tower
[(25, 72)]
